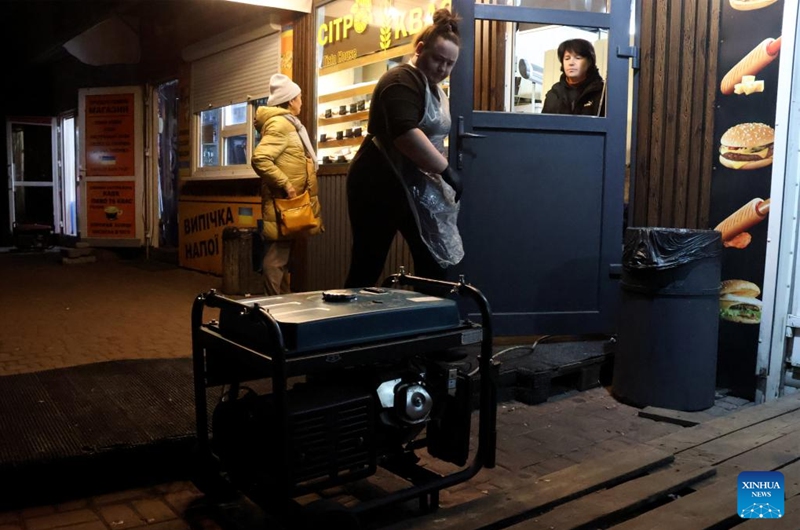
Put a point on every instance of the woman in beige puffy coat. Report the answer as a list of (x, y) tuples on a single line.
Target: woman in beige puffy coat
[(286, 163)]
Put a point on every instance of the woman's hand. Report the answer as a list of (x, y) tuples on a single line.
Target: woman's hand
[(290, 191), (454, 180), (419, 149)]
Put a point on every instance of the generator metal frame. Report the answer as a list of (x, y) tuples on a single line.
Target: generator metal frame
[(270, 361)]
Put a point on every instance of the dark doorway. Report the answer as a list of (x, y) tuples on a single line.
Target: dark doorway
[(31, 174), (168, 164)]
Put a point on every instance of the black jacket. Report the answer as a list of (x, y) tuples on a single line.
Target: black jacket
[(583, 99)]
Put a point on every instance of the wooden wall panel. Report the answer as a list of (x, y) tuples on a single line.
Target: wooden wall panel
[(304, 55), (490, 63), (675, 119)]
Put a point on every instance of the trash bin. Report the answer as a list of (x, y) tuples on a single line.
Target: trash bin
[(238, 268), (669, 318)]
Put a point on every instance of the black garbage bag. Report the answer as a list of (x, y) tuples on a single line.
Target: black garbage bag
[(665, 248), (669, 318)]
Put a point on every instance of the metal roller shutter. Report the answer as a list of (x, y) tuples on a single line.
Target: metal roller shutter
[(235, 75)]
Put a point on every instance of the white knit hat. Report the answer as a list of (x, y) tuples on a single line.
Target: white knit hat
[(281, 90)]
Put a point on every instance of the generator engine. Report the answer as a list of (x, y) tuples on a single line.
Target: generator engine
[(343, 425)]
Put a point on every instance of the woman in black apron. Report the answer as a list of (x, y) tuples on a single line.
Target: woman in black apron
[(400, 179)]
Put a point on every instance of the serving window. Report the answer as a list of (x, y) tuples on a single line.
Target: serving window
[(537, 65), (516, 63), (223, 134)]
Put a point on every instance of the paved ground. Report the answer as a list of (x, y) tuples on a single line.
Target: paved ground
[(54, 316)]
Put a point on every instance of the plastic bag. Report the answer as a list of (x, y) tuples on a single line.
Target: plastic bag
[(665, 248), (437, 212)]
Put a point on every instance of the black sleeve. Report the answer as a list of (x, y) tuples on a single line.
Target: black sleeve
[(402, 100)]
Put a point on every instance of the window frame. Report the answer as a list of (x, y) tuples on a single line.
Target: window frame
[(223, 171)]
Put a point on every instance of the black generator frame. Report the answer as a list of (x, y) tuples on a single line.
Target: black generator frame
[(242, 363)]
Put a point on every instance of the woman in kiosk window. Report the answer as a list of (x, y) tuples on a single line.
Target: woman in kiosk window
[(581, 89), (402, 161), (286, 162)]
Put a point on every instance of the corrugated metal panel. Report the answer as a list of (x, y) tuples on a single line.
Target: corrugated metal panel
[(675, 122), (328, 254), (236, 74)]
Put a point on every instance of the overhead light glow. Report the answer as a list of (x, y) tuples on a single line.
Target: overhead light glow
[(303, 6)]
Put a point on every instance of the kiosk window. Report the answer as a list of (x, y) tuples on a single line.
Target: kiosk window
[(223, 136), (530, 68)]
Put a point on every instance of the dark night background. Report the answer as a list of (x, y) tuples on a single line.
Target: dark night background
[(33, 32), (42, 78)]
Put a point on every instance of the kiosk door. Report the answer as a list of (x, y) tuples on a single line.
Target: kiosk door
[(542, 211), (31, 171)]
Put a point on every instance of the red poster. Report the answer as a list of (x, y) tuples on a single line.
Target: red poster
[(110, 135), (111, 209)]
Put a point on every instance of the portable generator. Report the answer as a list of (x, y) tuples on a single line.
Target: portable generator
[(354, 380)]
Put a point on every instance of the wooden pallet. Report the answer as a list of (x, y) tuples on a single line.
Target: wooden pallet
[(685, 480), (534, 387), (546, 374), (535, 375)]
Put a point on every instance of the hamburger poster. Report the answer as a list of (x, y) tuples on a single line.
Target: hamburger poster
[(744, 121)]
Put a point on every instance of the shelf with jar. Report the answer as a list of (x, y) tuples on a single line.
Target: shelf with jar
[(343, 105), (342, 122)]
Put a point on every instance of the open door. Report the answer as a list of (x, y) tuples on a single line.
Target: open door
[(542, 211), (31, 148), (66, 188)]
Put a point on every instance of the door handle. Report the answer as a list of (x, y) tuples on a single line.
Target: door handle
[(460, 135)]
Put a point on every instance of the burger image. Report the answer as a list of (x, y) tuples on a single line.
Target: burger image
[(750, 5), (738, 302), (747, 146)]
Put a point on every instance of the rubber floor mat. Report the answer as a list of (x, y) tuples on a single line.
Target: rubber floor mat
[(94, 408), (96, 422)]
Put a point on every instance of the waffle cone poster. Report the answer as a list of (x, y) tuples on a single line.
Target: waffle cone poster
[(111, 209), (744, 120), (109, 135)]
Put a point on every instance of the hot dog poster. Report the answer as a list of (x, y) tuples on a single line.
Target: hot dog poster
[(744, 120)]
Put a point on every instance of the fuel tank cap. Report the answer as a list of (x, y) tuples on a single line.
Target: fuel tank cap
[(339, 295)]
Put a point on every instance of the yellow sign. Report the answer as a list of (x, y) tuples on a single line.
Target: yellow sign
[(201, 225), (394, 25), (339, 28)]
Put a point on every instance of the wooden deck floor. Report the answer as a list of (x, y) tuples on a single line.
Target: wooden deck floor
[(685, 479)]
